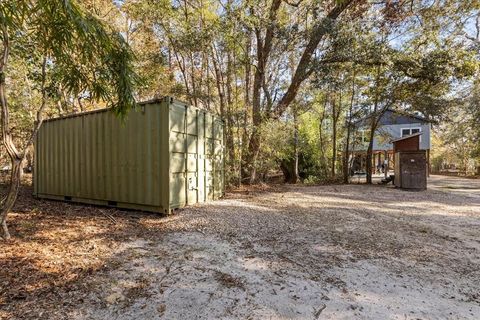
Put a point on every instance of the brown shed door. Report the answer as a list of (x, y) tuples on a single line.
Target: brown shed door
[(414, 171)]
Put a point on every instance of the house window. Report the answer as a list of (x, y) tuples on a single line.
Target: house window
[(405, 132), (362, 137), (409, 131)]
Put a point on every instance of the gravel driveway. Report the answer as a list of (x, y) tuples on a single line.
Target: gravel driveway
[(300, 252)]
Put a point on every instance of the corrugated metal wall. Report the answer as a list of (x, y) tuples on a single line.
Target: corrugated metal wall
[(196, 153), (159, 159)]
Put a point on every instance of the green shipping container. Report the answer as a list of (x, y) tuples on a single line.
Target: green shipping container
[(164, 156)]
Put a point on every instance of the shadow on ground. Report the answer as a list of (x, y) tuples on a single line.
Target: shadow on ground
[(293, 252)]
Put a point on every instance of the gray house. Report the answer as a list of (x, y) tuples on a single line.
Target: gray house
[(392, 125)]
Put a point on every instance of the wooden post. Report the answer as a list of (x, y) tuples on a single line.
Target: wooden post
[(379, 160), (374, 167), (393, 159), (428, 162), (385, 164)]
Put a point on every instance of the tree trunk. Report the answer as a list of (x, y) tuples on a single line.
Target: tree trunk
[(229, 138), (193, 80), (346, 157), (244, 148), (373, 127), (59, 107), (257, 119), (253, 150), (224, 89), (346, 154), (334, 137), (7, 141), (264, 47), (302, 72), (336, 109), (370, 157), (295, 176), (16, 160), (320, 138), (7, 206), (80, 104), (16, 157)]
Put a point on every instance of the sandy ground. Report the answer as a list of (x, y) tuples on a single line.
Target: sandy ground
[(454, 185), (294, 252)]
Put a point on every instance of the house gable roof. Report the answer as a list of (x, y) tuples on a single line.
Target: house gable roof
[(398, 117), (391, 117)]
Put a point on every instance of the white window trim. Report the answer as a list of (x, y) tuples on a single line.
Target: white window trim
[(410, 130), (401, 131)]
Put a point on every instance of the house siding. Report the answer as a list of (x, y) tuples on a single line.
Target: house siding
[(386, 133)]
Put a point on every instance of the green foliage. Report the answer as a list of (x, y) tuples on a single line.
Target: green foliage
[(84, 55), (277, 145), (457, 142), (412, 56)]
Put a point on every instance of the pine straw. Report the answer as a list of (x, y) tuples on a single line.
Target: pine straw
[(62, 255), (55, 247), (58, 249)]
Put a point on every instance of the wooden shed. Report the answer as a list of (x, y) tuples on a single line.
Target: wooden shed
[(165, 155), (407, 143), (410, 163)]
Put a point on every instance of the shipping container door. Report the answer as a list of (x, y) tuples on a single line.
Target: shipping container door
[(178, 155), (192, 155), (201, 157), (209, 157)]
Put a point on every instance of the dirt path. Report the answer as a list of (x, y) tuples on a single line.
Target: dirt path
[(455, 185), (322, 252)]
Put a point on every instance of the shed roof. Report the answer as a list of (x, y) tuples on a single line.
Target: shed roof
[(407, 137)]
